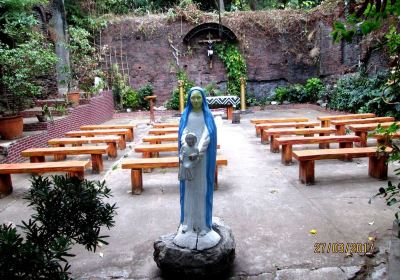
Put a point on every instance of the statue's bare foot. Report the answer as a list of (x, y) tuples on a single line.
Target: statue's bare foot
[(202, 233), (184, 228)]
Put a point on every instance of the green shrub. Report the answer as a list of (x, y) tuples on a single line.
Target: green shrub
[(313, 89), (281, 94), (212, 90), (146, 90), (173, 102), (360, 94), (131, 99), (67, 211)]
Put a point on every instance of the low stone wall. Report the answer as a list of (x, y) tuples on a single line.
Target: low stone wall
[(97, 111)]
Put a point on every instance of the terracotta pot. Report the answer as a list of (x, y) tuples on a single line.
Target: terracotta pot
[(73, 97), (11, 127)]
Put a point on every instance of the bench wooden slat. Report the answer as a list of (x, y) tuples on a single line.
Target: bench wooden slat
[(91, 133), (74, 168), (362, 130), (137, 166), (130, 136), (162, 131), (274, 133), (363, 121), (340, 124), (382, 138), (160, 138), (377, 167), (261, 127), (278, 120), (111, 141), (164, 125), (345, 141), (334, 153), (38, 154), (344, 117), (64, 150)]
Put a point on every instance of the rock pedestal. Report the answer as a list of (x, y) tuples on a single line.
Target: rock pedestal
[(176, 261)]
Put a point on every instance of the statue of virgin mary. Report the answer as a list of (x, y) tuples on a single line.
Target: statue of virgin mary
[(196, 193)]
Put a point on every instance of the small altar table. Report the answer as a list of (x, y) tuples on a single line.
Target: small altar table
[(228, 101)]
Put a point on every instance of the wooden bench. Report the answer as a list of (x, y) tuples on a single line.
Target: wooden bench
[(345, 141), (362, 130), (326, 120), (73, 168), (381, 139), (163, 131), (276, 132), (340, 125), (91, 133), (160, 138), (111, 142), (165, 125), (377, 163), (152, 150), (264, 138), (137, 165), (96, 152), (129, 137), (275, 120)]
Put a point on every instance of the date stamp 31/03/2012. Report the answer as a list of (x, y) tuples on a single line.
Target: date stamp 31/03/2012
[(342, 247)]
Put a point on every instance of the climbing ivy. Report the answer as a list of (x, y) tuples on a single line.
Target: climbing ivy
[(235, 65)]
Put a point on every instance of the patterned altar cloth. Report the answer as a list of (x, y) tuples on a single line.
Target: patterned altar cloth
[(226, 100)]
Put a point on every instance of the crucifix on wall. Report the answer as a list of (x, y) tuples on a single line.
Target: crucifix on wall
[(210, 48)]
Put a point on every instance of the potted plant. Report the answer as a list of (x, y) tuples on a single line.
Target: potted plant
[(46, 114)]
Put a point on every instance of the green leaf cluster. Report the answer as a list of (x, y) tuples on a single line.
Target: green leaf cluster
[(66, 211), (360, 94), (235, 65), (173, 102), (311, 91)]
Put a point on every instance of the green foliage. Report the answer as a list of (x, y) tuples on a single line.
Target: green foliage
[(359, 94), (313, 89), (130, 99), (235, 65), (391, 192), (67, 211), (83, 58), (146, 90), (212, 90), (298, 93), (173, 102), (22, 65)]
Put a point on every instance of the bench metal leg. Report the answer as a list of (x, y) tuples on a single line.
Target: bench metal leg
[(273, 146), (137, 181), (286, 157), (377, 167), (112, 149), (78, 174), (306, 172), (5, 185), (60, 157), (97, 163), (34, 159)]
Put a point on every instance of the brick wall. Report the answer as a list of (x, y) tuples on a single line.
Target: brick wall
[(99, 110)]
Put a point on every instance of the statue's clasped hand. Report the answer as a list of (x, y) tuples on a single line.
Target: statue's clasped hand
[(194, 156)]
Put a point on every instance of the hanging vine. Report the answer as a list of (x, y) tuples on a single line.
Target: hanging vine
[(235, 65)]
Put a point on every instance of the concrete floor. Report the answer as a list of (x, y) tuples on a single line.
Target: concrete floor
[(270, 212)]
